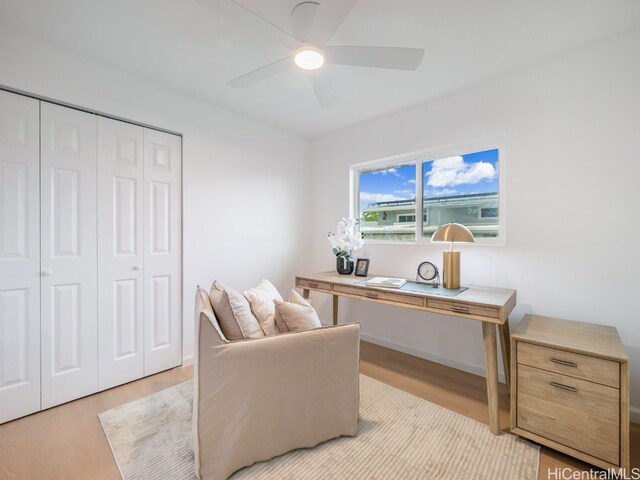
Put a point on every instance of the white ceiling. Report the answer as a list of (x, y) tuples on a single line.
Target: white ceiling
[(192, 48)]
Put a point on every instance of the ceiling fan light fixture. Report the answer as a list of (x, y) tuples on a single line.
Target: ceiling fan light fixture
[(309, 58)]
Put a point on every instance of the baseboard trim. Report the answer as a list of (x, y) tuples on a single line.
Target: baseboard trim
[(186, 361), (634, 412), (465, 367)]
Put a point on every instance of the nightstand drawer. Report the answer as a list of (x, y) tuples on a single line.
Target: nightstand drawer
[(579, 414), (380, 295), (463, 308), (576, 365), (304, 283)]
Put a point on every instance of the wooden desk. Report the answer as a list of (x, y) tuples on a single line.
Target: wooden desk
[(491, 306)]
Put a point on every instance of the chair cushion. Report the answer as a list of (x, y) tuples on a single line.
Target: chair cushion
[(261, 300), (234, 313), (295, 315), (203, 306)]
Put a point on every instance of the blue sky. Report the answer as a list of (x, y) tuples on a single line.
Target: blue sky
[(460, 175)]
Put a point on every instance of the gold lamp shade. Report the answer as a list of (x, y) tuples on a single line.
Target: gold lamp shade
[(452, 232)]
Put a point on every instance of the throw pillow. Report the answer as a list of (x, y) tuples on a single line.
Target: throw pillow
[(234, 313), (261, 300), (295, 315)]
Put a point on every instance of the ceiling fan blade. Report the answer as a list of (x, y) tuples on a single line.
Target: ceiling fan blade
[(396, 58), (302, 17), (252, 21), (328, 19), (262, 73), (323, 88)]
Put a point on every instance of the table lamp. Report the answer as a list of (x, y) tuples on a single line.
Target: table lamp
[(452, 232)]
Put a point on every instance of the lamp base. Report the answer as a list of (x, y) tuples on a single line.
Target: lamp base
[(451, 263)]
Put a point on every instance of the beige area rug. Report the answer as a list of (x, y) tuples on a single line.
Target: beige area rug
[(400, 437)]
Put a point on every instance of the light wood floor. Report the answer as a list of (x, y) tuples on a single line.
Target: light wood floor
[(463, 393), (67, 442)]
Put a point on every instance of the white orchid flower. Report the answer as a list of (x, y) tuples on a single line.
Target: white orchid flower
[(347, 237)]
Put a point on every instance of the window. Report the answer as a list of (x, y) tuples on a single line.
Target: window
[(460, 185), (386, 202), (490, 212), (462, 189), (406, 218)]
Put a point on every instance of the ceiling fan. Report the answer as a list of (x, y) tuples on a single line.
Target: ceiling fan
[(313, 26)]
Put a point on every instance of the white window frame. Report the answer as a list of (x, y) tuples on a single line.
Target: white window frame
[(419, 157)]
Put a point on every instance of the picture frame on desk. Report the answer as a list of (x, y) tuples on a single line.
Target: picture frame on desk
[(362, 267)]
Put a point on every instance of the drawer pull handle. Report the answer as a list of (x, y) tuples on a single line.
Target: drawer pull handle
[(456, 308), (563, 386), (372, 295), (313, 284), (566, 363)]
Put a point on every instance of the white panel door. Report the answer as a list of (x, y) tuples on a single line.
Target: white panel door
[(120, 253), (162, 251), (69, 281), (19, 256)]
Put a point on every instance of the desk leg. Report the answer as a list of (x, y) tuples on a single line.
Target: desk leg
[(491, 366), (305, 293), (505, 344), (335, 309)]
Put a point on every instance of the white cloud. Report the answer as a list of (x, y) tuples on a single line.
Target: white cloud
[(378, 197), (392, 171), (444, 191), (452, 171), (411, 182), (406, 193)]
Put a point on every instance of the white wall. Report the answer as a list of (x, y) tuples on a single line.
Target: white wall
[(573, 231), (245, 184)]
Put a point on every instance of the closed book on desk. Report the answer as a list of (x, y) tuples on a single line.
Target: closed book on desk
[(386, 282)]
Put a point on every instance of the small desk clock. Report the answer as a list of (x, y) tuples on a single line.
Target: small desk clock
[(428, 274)]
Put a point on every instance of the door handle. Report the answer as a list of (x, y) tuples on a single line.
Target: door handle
[(46, 273), (136, 267)]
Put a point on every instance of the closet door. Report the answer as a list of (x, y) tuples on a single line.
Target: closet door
[(120, 257), (68, 209), (19, 256), (162, 251)]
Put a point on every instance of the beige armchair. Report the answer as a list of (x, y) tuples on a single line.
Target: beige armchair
[(257, 399)]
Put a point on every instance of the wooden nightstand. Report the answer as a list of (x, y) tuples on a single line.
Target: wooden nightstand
[(570, 389)]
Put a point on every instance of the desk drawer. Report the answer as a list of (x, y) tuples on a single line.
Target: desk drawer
[(380, 295), (305, 283), (463, 308), (576, 413), (572, 364)]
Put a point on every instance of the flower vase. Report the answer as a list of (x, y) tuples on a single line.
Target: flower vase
[(344, 265)]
